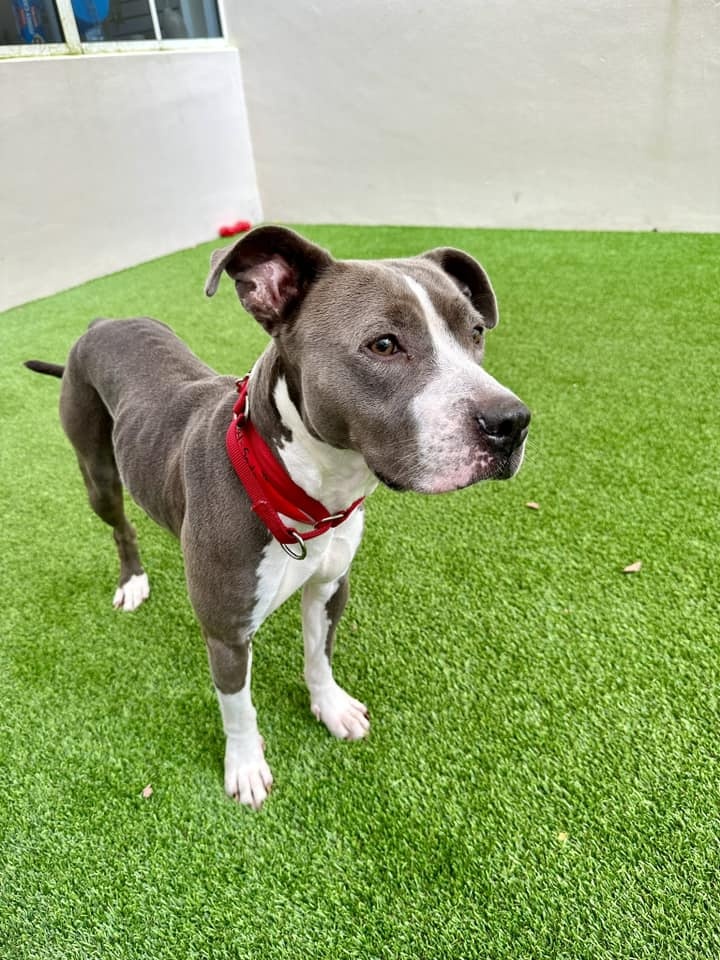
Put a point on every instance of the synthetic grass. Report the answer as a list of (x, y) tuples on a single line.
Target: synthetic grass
[(543, 774)]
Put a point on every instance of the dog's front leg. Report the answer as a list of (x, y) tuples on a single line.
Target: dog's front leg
[(247, 775), (322, 607)]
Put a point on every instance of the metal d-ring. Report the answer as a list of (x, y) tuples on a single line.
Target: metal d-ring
[(301, 542)]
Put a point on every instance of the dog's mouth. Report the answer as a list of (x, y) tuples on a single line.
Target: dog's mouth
[(458, 476), (391, 484)]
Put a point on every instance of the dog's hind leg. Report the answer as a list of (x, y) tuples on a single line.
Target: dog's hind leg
[(88, 425)]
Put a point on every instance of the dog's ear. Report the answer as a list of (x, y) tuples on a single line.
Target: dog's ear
[(272, 268), (467, 274)]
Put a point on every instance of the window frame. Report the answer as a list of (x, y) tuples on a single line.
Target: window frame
[(74, 45)]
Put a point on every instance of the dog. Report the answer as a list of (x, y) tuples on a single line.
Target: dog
[(372, 375)]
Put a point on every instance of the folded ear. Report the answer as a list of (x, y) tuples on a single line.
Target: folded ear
[(272, 268), (467, 274)]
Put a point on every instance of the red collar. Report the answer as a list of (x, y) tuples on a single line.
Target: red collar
[(271, 489)]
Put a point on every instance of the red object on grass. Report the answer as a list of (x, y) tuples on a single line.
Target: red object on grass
[(242, 226)]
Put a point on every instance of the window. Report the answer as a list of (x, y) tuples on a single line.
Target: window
[(29, 22), (60, 26)]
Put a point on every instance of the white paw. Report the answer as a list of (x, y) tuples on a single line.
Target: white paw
[(247, 775), (132, 593), (345, 717)]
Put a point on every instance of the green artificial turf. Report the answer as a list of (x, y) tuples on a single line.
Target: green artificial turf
[(543, 774)]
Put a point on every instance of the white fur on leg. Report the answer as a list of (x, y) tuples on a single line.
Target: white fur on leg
[(247, 775), (343, 715), (131, 594)]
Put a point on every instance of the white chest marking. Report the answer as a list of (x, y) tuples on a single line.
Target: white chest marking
[(328, 558), (334, 477)]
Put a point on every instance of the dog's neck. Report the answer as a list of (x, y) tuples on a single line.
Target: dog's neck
[(333, 476)]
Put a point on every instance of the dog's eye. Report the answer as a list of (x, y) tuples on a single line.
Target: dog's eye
[(477, 334), (384, 346)]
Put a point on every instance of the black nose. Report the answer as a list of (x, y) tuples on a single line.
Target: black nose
[(505, 425)]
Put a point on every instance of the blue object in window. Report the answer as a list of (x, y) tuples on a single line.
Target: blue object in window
[(90, 15), (28, 16)]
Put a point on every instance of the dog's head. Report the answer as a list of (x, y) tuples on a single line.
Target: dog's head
[(384, 357)]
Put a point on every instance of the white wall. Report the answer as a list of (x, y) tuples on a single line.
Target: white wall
[(106, 161), (579, 114)]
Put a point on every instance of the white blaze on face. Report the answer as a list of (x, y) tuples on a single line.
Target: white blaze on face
[(449, 442)]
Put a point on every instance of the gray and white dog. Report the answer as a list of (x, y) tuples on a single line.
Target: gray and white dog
[(373, 373)]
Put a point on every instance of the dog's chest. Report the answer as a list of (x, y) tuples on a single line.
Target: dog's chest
[(328, 559)]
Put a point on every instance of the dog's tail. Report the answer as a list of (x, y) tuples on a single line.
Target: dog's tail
[(40, 366)]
